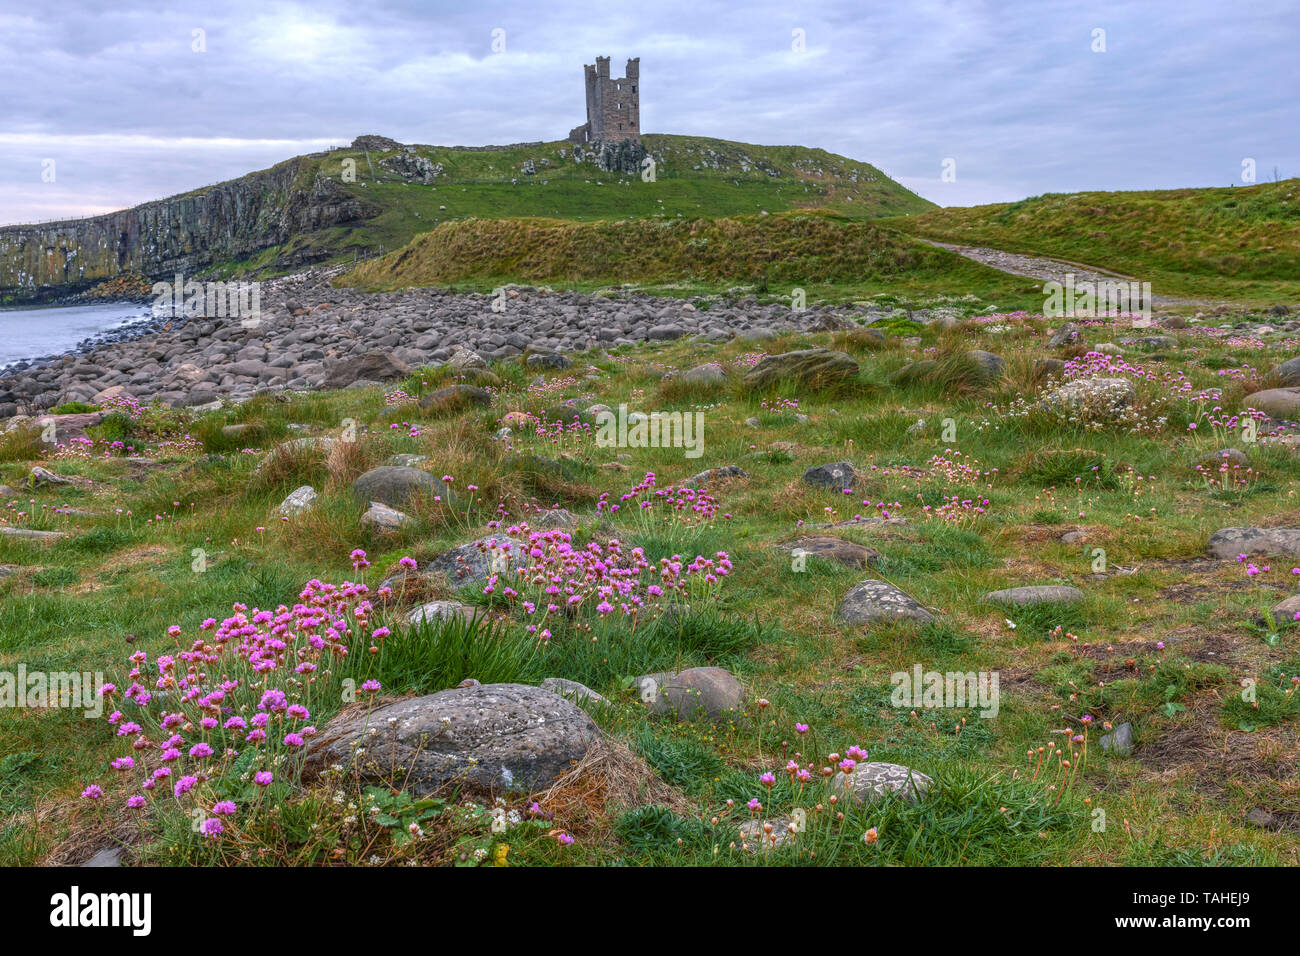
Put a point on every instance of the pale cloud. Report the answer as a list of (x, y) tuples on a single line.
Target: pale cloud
[(1010, 90)]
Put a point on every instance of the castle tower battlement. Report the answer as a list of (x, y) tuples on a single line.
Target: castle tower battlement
[(613, 104)]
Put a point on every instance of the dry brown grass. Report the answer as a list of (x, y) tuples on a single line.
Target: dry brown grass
[(608, 780)]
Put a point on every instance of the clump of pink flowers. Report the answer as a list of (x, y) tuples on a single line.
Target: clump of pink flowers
[(544, 575), (233, 702)]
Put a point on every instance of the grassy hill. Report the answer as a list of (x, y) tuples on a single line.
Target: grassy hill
[(1215, 243), (695, 177), (824, 254)]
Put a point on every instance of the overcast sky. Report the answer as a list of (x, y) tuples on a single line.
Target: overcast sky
[(1013, 93)]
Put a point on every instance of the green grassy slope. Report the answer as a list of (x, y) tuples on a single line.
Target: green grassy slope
[(694, 177), (823, 254), (1232, 242)]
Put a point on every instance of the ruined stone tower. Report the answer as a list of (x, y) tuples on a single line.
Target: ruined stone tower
[(613, 105)]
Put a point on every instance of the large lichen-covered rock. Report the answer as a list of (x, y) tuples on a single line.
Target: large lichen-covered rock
[(488, 737), (870, 782), (878, 602), (810, 368), (989, 365), (299, 500), (1100, 400), (476, 561)]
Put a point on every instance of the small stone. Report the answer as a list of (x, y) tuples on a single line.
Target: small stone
[(437, 611), (384, 519), (109, 856), (755, 838), (454, 398), (810, 368), (1259, 817), (710, 374), (1119, 740), (1287, 374), (1287, 610), (1092, 399), (555, 518), (990, 365), (1038, 594), (829, 548), (572, 690), (1283, 403), (298, 501), (476, 561), (547, 360), (716, 474), (42, 476), (29, 534), (837, 475), (466, 358), (1067, 334)]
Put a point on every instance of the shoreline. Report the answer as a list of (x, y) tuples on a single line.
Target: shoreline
[(310, 335), (127, 330)]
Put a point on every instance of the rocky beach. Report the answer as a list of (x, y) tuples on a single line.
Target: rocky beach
[(310, 334)]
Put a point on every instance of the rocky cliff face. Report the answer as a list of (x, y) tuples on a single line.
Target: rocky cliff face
[(186, 234), (622, 156)]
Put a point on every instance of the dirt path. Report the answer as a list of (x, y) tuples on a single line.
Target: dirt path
[(1049, 270)]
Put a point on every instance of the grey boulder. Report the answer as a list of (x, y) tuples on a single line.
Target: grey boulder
[(1230, 542), (397, 485), (877, 602), (697, 691), (837, 475), (1037, 594), (870, 782), (487, 737)]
